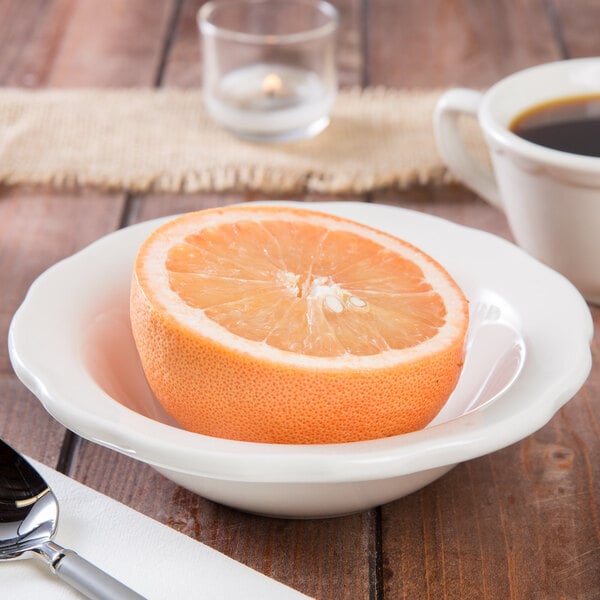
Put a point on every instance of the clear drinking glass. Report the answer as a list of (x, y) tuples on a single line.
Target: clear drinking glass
[(269, 66)]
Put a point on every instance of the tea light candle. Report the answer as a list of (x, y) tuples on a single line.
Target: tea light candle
[(270, 101), (269, 66)]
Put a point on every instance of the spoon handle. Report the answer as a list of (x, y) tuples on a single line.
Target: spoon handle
[(88, 579)]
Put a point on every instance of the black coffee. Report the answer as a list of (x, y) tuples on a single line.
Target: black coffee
[(567, 124)]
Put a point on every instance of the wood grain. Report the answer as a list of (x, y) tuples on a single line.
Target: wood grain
[(30, 34), (456, 42), (26, 425), (451, 202), (183, 67), (521, 523), (112, 43), (576, 24)]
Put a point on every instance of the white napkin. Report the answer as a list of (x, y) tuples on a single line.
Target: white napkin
[(153, 559)]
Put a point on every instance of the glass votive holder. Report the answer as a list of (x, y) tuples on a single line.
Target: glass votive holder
[(269, 70)]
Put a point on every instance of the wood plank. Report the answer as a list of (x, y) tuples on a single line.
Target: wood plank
[(521, 522), (184, 68), (577, 24), (67, 43), (152, 206), (112, 43), (451, 202), (30, 33), (443, 43), (25, 424)]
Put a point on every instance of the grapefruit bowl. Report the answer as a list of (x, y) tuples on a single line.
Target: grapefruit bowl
[(75, 352)]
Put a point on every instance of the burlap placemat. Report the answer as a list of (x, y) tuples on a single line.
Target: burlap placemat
[(163, 140)]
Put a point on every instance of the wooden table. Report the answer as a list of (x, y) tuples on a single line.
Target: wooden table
[(521, 523)]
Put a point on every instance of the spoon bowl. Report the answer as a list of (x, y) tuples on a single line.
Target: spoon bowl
[(28, 508), (28, 520)]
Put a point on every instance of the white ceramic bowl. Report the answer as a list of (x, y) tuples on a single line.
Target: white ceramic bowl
[(528, 353)]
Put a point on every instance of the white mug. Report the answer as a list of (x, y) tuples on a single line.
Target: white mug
[(551, 198)]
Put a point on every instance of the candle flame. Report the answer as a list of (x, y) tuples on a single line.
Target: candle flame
[(272, 84)]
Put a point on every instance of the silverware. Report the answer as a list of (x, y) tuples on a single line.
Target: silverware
[(28, 518)]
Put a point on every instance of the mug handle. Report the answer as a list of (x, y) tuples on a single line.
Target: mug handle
[(474, 175)]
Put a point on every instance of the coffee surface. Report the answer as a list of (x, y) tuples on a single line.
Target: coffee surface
[(567, 124)]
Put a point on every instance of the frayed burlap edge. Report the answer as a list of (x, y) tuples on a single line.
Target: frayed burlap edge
[(142, 140)]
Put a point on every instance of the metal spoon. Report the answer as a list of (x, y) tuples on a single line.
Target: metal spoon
[(28, 518)]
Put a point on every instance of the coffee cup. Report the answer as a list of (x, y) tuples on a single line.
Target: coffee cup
[(551, 198)]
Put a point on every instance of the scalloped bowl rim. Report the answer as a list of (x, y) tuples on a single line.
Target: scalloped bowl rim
[(547, 381)]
